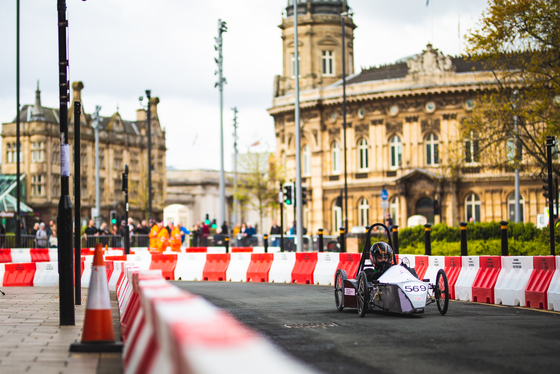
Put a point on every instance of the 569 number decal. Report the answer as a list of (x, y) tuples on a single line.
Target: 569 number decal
[(418, 288)]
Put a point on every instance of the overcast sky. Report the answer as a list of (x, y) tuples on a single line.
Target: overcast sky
[(118, 49)]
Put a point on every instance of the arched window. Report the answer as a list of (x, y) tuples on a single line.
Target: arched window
[(306, 160), (511, 207), (363, 163), (335, 158), (395, 155), (363, 216), (336, 218), (394, 210), (472, 208), (432, 150)]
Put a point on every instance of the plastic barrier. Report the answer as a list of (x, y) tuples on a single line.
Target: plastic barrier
[(483, 285), (109, 267), (190, 266), (553, 294), (39, 255), (453, 267), (5, 256), (536, 291), (166, 263), (196, 250), (46, 274), (469, 271), (512, 281), (143, 260), (259, 267), (21, 255), (117, 270), (216, 266), (282, 266), (115, 258), (2, 271), (19, 275), (350, 263), (86, 270), (53, 254), (238, 265), (421, 264), (327, 263), (87, 251), (304, 268), (114, 252), (216, 250), (434, 264), (242, 250)]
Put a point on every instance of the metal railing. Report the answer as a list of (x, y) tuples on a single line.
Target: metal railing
[(27, 241)]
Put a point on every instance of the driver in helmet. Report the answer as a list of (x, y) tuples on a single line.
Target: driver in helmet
[(381, 256)]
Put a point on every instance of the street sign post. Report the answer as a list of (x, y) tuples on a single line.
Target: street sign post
[(384, 202)]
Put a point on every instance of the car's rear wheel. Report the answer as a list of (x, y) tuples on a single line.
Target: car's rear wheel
[(339, 279), (362, 295), (441, 292)]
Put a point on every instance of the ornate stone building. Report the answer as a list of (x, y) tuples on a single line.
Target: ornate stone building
[(120, 142), (403, 132)]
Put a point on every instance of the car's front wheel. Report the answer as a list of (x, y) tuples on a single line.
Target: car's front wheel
[(362, 295), (441, 292)]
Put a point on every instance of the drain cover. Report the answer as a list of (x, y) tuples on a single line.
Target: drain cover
[(310, 325)]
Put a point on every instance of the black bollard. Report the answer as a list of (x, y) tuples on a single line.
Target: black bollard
[(427, 239), (265, 243), (227, 243), (321, 248), (342, 240), (504, 228), (464, 251), (395, 229)]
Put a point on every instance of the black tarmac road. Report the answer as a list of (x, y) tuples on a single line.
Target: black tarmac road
[(471, 338)]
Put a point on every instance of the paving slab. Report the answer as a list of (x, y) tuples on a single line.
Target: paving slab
[(32, 341)]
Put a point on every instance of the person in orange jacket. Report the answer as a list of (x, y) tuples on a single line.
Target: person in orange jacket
[(175, 238), (156, 228), (163, 239)]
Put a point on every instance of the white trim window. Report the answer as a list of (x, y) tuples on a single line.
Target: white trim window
[(363, 216), (9, 153), (394, 210), (335, 154), (395, 156), (293, 64), (37, 185), (511, 207), (472, 208), (363, 153), (337, 219), (432, 150), (306, 160), (37, 151), (328, 63), (472, 148)]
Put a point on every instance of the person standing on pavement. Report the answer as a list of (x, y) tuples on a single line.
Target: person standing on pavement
[(184, 232), (175, 238), (41, 236), (154, 234), (90, 232), (275, 229), (225, 230), (163, 238)]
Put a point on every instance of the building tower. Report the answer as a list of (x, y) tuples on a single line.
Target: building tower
[(320, 47)]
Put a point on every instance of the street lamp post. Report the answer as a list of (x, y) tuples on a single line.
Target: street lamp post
[(219, 43), (18, 183), (342, 15), (149, 133), (235, 202), (96, 124), (297, 125)]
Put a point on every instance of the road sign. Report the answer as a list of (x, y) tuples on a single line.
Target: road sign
[(384, 204), (384, 194)]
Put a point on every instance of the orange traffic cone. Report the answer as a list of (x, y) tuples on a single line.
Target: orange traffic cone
[(97, 334)]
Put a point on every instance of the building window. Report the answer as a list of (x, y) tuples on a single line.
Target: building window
[(37, 151), (471, 148), (83, 158), (55, 186), (12, 153), (293, 64), (134, 161), (363, 217), (511, 208), (335, 158), (9, 153), (102, 159), (337, 218), (514, 153), (328, 63), (306, 160), (117, 186), (432, 150), (37, 185), (472, 208), (56, 154), (102, 189), (363, 163), (394, 210), (118, 159), (396, 152), (160, 163)]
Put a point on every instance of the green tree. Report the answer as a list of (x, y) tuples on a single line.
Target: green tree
[(519, 42)]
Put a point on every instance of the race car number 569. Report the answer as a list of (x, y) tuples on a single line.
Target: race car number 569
[(420, 288)]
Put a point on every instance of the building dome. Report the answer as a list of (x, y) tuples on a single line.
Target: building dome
[(317, 7)]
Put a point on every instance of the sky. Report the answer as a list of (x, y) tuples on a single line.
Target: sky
[(118, 49)]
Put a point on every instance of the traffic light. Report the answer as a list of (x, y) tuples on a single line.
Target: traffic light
[(288, 193), (339, 201), (214, 224), (303, 196), (437, 208), (548, 194), (113, 217), (207, 220)]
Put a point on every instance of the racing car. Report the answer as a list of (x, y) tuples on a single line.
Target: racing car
[(397, 290)]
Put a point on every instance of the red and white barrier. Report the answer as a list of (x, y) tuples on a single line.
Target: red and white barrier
[(117, 271), (553, 293), (536, 292), (190, 266), (238, 265), (434, 264), (46, 274), (512, 281), (2, 271), (141, 259), (327, 263), (463, 286), (282, 266), (21, 255)]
